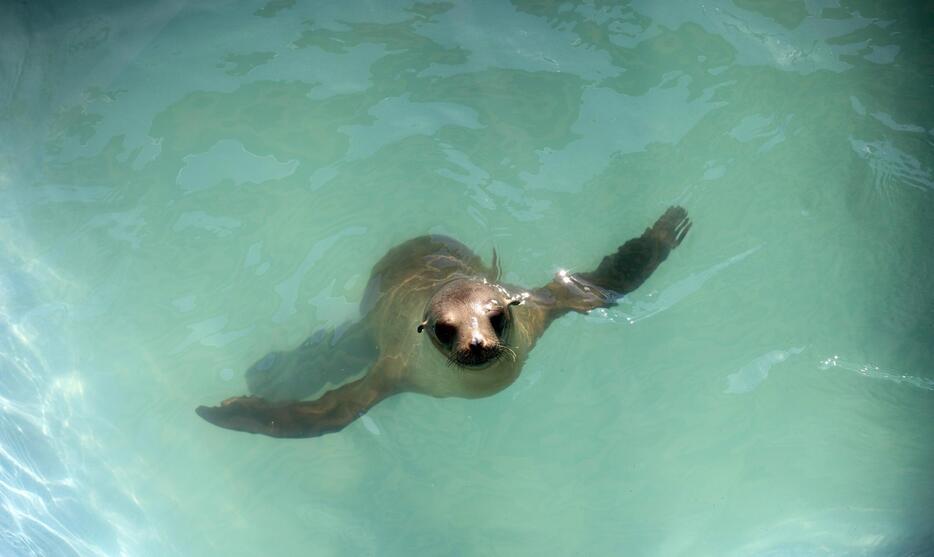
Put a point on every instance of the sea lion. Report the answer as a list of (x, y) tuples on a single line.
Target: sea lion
[(436, 320)]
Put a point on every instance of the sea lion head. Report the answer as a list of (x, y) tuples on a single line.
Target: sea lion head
[(469, 321)]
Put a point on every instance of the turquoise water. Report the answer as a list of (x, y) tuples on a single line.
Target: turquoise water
[(186, 187)]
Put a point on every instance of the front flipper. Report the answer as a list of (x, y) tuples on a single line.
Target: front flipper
[(332, 412), (621, 272), (624, 271)]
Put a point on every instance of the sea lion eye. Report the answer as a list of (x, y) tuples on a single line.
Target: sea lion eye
[(445, 332), (498, 320)]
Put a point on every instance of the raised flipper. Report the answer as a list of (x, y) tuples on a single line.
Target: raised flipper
[(619, 273), (332, 412), (327, 356), (624, 271)]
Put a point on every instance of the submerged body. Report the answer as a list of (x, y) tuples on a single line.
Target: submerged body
[(435, 320)]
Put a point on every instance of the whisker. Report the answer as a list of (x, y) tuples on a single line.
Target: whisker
[(466, 360), (503, 348)]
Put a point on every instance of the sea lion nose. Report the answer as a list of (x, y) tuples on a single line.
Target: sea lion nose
[(476, 345)]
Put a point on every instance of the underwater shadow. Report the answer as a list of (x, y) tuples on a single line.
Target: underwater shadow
[(327, 357)]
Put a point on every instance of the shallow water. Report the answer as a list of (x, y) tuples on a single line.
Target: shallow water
[(186, 187)]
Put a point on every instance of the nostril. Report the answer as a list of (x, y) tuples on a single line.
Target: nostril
[(476, 345)]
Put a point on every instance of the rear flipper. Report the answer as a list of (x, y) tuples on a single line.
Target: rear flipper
[(327, 356), (621, 272)]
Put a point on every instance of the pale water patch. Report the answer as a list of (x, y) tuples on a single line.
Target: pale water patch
[(69, 194), (288, 288), (220, 226), (762, 130), (496, 36), (597, 132), (489, 193), (398, 118), (211, 332), (802, 42), (755, 372), (229, 161), (890, 122), (826, 533)]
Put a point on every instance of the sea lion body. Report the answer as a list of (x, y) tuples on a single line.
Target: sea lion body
[(433, 320)]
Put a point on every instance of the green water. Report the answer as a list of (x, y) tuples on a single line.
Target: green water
[(186, 187)]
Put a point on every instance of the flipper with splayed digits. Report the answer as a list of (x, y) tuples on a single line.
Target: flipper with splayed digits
[(618, 273)]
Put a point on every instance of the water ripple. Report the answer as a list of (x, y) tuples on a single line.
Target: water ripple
[(875, 372), (51, 469)]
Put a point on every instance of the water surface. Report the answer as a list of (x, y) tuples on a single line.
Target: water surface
[(185, 187)]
